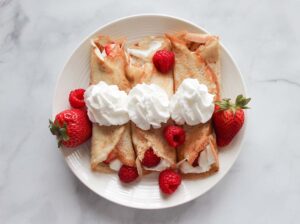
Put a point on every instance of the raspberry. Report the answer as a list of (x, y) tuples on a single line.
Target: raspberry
[(76, 98), (150, 158), (174, 135), (128, 174), (163, 60), (169, 181)]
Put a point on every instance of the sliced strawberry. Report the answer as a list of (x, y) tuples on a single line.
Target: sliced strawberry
[(111, 156), (108, 48)]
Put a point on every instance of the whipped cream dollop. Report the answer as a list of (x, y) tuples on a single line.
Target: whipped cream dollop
[(205, 161), (163, 164), (148, 105), (191, 104), (106, 104), (115, 165)]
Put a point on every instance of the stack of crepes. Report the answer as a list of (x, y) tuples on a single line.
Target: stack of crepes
[(197, 57)]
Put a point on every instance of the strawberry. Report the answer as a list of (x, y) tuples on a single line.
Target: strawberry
[(128, 174), (71, 127), (228, 119), (169, 180), (108, 48), (150, 158), (163, 60), (76, 98), (111, 156), (174, 135)]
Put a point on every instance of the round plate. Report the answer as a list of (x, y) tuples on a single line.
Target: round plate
[(144, 193)]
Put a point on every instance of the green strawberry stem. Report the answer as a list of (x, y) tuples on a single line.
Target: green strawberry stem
[(240, 103), (59, 131)]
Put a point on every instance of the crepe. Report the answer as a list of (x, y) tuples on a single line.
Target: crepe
[(140, 69), (110, 140), (197, 56)]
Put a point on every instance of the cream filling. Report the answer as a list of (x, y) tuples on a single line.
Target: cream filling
[(154, 46), (163, 164), (115, 165), (205, 161)]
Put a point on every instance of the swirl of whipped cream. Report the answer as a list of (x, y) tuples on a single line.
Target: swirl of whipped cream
[(148, 105), (191, 104), (106, 104)]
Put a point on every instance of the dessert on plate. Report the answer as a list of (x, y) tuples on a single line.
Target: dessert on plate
[(153, 105), (150, 94), (111, 145), (196, 61)]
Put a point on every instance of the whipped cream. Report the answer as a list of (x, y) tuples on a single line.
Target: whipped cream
[(163, 164), (148, 105), (144, 53), (191, 104), (107, 105), (115, 165), (206, 159)]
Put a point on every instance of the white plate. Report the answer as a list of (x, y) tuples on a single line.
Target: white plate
[(144, 194)]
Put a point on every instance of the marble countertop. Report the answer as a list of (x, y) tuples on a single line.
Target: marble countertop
[(36, 39)]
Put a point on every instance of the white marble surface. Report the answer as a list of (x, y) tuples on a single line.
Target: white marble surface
[(37, 37)]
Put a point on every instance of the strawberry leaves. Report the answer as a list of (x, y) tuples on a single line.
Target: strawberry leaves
[(240, 103), (59, 131)]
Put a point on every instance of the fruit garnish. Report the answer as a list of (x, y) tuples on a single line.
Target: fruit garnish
[(108, 48), (76, 98), (150, 158), (128, 174), (164, 60), (196, 161), (111, 156), (174, 135), (169, 180), (71, 128), (228, 118)]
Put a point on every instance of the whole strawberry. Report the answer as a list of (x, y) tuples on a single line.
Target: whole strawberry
[(71, 127), (164, 60), (228, 119)]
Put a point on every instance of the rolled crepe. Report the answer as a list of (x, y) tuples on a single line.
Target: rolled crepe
[(197, 56), (110, 141), (140, 69)]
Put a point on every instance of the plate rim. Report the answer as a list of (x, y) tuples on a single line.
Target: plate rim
[(138, 16)]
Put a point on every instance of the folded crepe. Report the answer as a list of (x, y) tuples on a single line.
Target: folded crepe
[(140, 69), (197, 56), (110, 143)]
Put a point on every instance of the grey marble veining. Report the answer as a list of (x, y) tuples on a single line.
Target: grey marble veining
[(37, 37)]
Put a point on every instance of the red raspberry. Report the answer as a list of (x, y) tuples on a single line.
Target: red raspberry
[(150, 158), (169, 180), (163, 60), (128, 174), (76, 98), (174, 135)]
